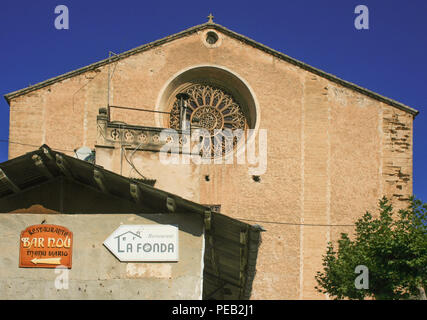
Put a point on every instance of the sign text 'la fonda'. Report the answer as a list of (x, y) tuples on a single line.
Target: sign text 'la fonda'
[(144, 243)]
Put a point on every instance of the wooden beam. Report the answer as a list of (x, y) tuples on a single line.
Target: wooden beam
[(63, 166), (38, 161), (207, 219), (47, 153), (99, 179), (135, 192), (8, 182), (170, 204)]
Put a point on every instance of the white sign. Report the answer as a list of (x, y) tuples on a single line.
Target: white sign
[(144, 242)]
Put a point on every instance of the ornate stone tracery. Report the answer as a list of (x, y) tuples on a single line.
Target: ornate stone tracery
[(213, 109)]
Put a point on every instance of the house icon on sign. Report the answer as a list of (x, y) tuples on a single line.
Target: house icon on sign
[(126, 240)]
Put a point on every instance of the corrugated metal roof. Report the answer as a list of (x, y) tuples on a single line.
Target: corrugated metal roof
[(231, 246)]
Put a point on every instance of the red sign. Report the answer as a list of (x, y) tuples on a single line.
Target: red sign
[(45, 246)]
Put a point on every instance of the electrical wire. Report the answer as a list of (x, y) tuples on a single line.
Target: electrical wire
[(252, 220), (72, 100), (299, 224), (131, 163), (33, 145), (124, 153)]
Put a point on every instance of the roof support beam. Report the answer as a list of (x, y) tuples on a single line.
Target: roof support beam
[(38, 161), (47, 153), (207, 217), (170, 204), (8, 182), (99, 179), (135, 192), (63, 166)]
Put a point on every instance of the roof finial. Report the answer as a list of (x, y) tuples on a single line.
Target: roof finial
[(210, 17)]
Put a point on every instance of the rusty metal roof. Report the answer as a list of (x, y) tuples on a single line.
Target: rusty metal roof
[(231, 246)]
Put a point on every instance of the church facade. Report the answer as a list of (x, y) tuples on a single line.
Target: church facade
[(324, 150)]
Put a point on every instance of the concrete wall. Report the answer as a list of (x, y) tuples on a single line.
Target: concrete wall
[(96, 273), (332, 152)]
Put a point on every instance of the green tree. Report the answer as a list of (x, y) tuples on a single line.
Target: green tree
[(392, 246)]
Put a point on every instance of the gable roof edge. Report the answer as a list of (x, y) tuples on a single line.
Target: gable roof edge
[(317, 71), (230, 33), (106, 61)]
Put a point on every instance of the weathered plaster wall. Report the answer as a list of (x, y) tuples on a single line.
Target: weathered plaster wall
[(332, 152), (96, 273)]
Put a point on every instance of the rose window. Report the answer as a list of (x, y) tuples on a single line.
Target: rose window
[(217, 112)]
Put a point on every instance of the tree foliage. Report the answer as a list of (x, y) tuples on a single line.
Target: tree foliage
[(392, 246)]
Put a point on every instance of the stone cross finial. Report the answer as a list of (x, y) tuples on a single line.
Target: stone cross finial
[(210, 17)]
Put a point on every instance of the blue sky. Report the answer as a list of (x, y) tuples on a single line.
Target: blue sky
[(388, 58)]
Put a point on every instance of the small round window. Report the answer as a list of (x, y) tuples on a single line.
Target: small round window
[(211, 37)]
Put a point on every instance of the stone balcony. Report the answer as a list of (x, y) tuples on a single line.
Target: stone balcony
[(112, 134)]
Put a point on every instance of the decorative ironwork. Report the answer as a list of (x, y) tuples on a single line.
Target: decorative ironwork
[(216, 111)]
